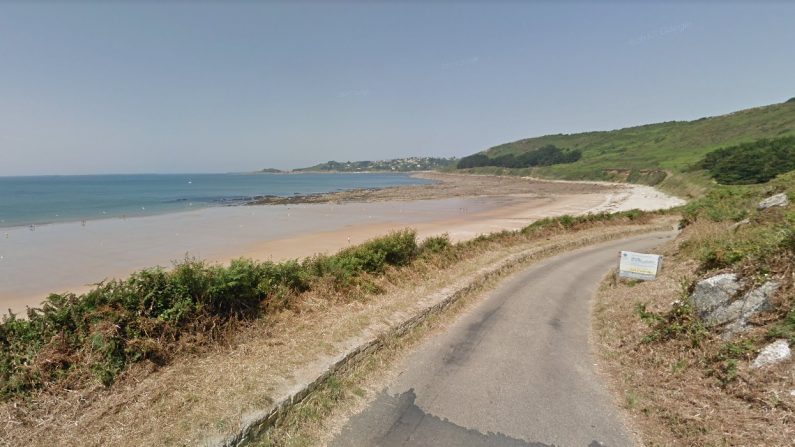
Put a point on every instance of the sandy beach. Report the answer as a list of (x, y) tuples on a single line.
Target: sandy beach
[(70, 257)]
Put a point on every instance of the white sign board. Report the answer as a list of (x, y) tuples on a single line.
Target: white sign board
[(639, 265)]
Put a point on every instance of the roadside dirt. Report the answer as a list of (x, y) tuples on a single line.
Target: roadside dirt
[(678, 392)]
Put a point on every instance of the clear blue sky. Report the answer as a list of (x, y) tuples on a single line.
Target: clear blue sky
[(218, 87)]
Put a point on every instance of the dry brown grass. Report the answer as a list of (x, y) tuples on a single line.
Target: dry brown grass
[(315, 421), (207, 395), (679, 394)]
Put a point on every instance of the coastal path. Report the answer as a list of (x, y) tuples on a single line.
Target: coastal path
[(516, 370)]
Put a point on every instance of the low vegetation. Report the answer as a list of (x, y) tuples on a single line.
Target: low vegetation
[(155, 312), (704, 391), (724, 231), (661, 153), (748, 163), (76, 340), (738, 234), (544, 156)]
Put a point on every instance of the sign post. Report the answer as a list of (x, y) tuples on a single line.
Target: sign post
[(642, 266)]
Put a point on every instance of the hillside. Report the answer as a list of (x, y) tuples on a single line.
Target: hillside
[(394, 165), (635, 153)]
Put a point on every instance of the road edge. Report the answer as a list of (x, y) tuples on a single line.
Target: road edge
[(257, 424)]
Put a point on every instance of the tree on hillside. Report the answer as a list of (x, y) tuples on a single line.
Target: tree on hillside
[(755, 162), (474, 161), (543, 156)]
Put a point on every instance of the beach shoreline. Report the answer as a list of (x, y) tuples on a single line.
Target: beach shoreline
[(35, 201), (443, 186), (70, 257)]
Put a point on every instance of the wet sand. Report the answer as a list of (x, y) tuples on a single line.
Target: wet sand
[(71, 257)]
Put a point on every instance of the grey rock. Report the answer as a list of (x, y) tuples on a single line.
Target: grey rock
[(712, 293), (738, 312), (757, 300), (741, 223), (779, 199), (715, 303), (774, 353)]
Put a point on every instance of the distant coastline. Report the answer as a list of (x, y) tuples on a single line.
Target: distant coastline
[(37, 201), (395, 165)]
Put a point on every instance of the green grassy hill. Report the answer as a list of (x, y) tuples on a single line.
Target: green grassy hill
[(639, 153)]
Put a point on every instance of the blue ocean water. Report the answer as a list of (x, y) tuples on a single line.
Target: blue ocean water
[(48, 199)]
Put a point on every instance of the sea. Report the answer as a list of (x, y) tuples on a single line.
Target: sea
[(38, 200)]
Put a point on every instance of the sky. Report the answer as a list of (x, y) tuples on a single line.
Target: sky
[(89, 88)]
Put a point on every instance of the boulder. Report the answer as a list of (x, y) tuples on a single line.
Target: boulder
[(715, 303), (755, 301), (779, 199), (774, 353), (738, 312), (714, 292)]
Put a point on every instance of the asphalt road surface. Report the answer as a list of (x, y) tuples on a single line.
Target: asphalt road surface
[(517, 370)]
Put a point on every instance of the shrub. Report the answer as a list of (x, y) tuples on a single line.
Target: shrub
[(784, 328), (748, 163), (567, 222), (145, 316), (395, 249), (680, 321), (720, 204), (436, 244), (543, 156)]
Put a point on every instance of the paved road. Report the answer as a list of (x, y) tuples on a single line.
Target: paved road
[(515, 371)]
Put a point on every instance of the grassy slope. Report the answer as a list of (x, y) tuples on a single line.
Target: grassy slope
[(682, 382), (671, 146)]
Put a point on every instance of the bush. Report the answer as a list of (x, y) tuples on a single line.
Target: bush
[(544, 156), (473, 161), (721, 204), (749, 163), (436, 244), (567, 222), (396, 249), (145, 316), (680, 321)]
